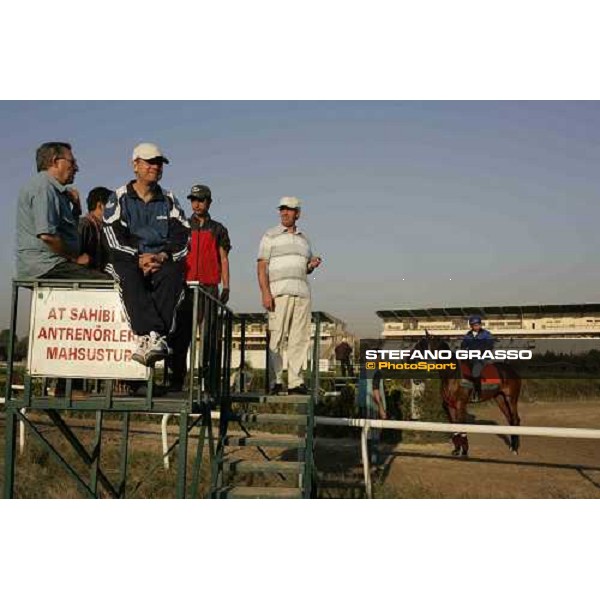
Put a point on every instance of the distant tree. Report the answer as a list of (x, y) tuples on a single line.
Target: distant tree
[(22, 348), (592, 361), (4, 335)]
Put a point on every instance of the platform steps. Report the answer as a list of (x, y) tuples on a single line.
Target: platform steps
[(254, 462), (340, 383)]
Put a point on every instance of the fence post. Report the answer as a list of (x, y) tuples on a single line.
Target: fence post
[(164, 434), (267, 342), (242, 355), (364, 446), (22, 433)]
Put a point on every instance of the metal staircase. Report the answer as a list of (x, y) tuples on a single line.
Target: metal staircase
[(251, 460), (254, 463)]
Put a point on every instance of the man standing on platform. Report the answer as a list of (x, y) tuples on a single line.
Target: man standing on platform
[(147, 234), (207, 263), (285, 257)]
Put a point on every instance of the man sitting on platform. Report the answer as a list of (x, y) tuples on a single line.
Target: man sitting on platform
[(91, 240), (147, 234), (47, 238)]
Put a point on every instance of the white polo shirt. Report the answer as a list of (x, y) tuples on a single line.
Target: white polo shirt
[(287, 255)]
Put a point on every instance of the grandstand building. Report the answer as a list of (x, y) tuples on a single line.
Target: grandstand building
[(530, 321)]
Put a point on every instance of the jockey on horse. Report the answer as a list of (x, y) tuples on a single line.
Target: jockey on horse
[(455, 395), (477, 338)]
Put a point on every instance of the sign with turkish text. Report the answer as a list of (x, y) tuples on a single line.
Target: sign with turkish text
[(81, 333)]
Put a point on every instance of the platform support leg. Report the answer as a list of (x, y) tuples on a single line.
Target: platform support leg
[(10, 433), (124, 455), (198, 460), (96, 449), (182, 455)]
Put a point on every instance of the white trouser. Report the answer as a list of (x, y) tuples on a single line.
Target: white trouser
[(291, 319)]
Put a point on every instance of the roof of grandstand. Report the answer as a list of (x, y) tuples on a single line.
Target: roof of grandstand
[(489, 311)]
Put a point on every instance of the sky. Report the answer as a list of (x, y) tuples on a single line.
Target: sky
[(410, 204)]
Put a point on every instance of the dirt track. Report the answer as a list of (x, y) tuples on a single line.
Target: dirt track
[(545, 468)]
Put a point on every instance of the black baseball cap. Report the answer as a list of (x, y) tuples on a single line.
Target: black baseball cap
[(200, 192)]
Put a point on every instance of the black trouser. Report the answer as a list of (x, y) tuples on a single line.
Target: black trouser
[(69, 270), (150, 301), (181, 338), (346, 367)]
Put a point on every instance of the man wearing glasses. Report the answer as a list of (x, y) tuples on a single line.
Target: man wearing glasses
[(47, 228), (47, 237), (147, 235)]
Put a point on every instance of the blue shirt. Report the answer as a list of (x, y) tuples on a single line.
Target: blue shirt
[(484, 340), (133, 227), (44, 207)]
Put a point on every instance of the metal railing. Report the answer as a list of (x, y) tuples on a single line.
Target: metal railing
[(209, 376)]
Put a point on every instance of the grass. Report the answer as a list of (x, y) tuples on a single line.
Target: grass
[(40, 476)]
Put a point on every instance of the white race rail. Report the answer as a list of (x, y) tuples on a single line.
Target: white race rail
[(366, 424), (557, 432)]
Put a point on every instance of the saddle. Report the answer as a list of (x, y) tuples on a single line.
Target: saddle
[(489, 381)]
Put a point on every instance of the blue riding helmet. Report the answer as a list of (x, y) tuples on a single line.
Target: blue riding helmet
[(473, 319)]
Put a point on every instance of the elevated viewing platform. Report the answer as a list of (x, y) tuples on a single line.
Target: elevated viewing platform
[(80, 360)]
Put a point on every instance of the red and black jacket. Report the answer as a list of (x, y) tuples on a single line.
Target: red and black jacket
[(203, 261)]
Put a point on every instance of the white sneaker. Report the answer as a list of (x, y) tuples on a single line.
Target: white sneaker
[(139, 354), (157, 348)]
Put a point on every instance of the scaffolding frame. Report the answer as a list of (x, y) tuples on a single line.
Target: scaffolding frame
[(209, 376)]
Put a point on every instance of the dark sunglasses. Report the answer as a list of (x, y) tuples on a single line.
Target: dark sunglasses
[(157, 162)]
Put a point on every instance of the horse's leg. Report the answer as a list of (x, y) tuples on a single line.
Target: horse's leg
[(515, 440), (461, 441), (505, 409), (506, 403), (451, 414), (450, 408)]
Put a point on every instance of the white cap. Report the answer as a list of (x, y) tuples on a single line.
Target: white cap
[(148, 151), (290, 202)]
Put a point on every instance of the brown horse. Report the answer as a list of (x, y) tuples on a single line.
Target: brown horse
[(455, 397)]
